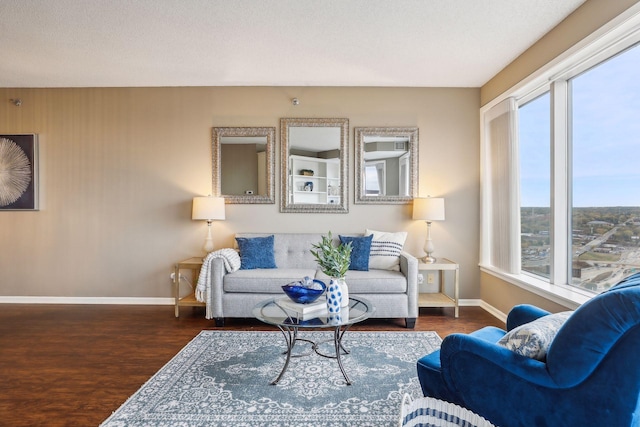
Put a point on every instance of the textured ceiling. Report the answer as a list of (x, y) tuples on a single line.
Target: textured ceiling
[(424, 43)]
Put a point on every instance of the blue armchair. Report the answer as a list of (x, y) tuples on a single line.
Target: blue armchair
[(590, 377)]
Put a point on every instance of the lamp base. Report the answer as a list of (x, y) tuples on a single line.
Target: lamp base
[(428, 246), (428, 259), (208, 242)]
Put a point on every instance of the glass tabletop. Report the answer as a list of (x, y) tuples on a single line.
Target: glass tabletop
[(275, 311)]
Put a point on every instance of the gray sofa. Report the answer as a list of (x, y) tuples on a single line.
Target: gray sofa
[(393, 293)]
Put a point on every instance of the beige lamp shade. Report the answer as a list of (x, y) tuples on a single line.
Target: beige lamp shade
[(208, 208), (428, 208)]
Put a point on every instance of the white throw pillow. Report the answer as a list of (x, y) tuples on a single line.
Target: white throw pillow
[(534, 338), (385, 249)]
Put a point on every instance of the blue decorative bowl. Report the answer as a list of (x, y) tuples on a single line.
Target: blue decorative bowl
[(301, 294)]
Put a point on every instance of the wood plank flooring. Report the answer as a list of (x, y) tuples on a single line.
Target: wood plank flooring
[(73, 365)]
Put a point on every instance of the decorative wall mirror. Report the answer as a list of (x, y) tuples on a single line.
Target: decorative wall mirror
[(386, 165), (243, 164), (314, 155)]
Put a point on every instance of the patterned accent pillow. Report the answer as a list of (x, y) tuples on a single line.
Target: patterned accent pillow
[(360, 249), (534, 338), (385, 249), (256, 252)]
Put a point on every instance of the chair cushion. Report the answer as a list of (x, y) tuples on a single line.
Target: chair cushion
[(385, 249), (256, 252), (360, 249), (534, 338)]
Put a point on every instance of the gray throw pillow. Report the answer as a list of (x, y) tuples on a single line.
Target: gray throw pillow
[(534, 338)]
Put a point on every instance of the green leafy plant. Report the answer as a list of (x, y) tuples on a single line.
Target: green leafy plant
[(333, 260)]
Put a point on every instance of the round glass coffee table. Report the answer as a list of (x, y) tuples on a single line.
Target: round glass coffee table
[(290, 321)]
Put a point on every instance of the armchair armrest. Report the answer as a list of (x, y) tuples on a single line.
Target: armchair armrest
[(524, 313)]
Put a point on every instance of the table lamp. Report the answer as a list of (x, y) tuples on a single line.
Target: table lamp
[(208, 209), (428, 209)]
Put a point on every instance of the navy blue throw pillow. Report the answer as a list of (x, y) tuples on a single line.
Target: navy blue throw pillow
[(360, 249), (256, 252)]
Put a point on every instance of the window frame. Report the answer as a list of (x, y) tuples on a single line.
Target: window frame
[(610, 40)]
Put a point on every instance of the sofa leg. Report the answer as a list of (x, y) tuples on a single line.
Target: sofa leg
[(411, 322), (220, 322)]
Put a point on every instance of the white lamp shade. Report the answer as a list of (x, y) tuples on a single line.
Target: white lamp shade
[(428, 208), (208, 208)]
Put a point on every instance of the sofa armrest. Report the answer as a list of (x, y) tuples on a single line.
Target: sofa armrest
[(409, 267), (524, 313)]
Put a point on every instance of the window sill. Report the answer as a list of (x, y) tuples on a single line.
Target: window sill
[(566, 296)]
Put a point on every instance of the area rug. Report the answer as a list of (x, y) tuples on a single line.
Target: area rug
[(222, 378)]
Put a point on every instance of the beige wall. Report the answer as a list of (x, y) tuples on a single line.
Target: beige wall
[(592, 15), (119, 167), (503, 296)]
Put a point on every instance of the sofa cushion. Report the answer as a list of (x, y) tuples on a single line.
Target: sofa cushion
[(360, 249), (256, 252), (385, 249), (372, 281), (534, 338), (263, 280)]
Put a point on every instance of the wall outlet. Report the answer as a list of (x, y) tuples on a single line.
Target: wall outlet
[(420, 278), (431, 278)]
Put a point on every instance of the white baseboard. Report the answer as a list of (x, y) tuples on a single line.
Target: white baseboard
[(86, 300), (487, 307), (494, 311)]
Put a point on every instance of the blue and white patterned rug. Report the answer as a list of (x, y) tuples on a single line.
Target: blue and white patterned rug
[(222, 378)]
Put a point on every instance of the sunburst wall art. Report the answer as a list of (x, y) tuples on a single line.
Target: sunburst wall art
[(19, 172)]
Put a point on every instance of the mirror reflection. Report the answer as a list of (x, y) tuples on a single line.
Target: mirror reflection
[(313, 157), (386, 165), (243, 164)]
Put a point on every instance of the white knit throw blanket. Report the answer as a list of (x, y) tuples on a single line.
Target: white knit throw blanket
[(231, 261)]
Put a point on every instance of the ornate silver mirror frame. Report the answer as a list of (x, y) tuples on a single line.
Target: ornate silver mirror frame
[(386, 165), (313, 165), (243, 164)]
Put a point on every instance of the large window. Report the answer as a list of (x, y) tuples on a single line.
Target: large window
[(573, 197), (605, 211)]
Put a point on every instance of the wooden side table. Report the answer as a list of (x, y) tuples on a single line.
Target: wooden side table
[(193, 264), (440, 298)]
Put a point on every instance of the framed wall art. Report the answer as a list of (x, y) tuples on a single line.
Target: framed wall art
[(19, 172)]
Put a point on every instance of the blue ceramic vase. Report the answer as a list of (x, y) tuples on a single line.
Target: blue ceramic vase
[(334, 297)]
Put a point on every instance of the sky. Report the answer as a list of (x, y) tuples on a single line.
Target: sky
[(606, 137)]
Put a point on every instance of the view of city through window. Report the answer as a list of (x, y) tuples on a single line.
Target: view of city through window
[(605, 177)]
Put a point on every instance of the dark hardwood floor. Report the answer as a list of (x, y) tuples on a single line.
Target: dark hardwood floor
[(73, 365)]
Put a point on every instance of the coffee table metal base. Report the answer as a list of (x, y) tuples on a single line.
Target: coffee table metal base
[(291, 337)]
